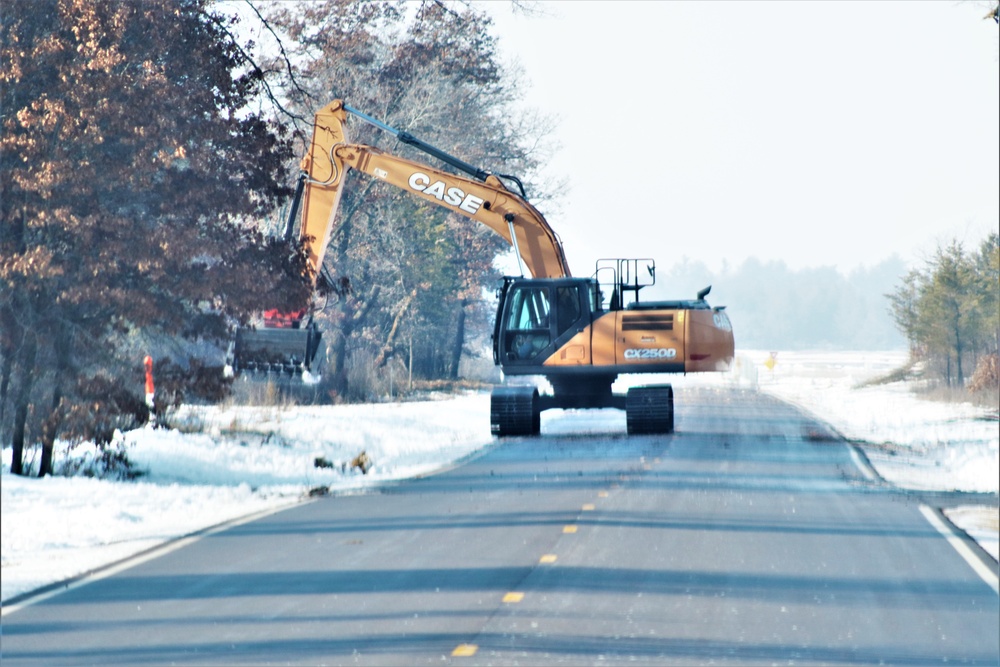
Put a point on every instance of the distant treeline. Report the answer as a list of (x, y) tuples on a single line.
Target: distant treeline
[(947, 312), (774, 307)]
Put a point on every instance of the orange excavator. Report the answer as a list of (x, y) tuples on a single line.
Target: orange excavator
[(578, 333)]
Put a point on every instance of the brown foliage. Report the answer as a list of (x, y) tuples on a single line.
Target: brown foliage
[(190, 382), (102, 405), (987, 374), (129, 161)]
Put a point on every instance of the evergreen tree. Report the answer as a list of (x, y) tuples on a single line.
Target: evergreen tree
[(987, 294), (949, 310)]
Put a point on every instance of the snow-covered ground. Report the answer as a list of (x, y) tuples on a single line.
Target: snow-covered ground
[(227, 463)]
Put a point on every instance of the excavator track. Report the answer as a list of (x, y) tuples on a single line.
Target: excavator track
[(514, 411), (650, 409)]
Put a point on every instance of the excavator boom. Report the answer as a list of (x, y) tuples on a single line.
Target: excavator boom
[(483, 198)]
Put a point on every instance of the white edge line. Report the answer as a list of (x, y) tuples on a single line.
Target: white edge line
[(139, 559), (865, 468), (985, 573)]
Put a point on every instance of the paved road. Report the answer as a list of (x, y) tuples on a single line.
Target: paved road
[(749, 537)]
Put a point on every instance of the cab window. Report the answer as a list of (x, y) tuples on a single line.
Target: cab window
[(527, 334), (529, 309)]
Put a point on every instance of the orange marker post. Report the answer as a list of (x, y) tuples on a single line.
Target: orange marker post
[(150, 388)]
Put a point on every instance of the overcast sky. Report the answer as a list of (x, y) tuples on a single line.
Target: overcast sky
[(817, 133)]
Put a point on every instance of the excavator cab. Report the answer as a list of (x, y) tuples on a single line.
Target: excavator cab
[(538, 316)]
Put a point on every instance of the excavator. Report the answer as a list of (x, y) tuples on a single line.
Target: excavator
[(580, 334)]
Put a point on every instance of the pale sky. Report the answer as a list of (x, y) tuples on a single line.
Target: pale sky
[(817, 133)]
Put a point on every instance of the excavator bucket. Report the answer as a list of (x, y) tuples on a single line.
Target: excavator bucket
[(276, 350)]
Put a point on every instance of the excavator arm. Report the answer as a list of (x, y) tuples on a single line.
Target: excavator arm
[(483, 198), (287, 342)]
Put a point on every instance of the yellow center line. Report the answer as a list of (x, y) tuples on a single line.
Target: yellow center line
[(569, 529), (589, 507), (602, 494), (548, 558), (465, 650), (513, 597)]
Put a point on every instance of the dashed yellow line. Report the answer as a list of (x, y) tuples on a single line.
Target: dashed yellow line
[(548, 558), (513, 597), (465, 650), (569, 529), (602, 494), (589, 507)]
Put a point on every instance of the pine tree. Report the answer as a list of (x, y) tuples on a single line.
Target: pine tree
[(950, 309)]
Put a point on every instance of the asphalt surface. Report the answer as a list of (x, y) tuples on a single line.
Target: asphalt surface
[(749, 537)]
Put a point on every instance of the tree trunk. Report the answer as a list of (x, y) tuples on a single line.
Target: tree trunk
[(390, 341), (8, 365), (350, 323), (21, 406), (50, 429), (17, 440), (456, 348), (338, 354), (959, 351)]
